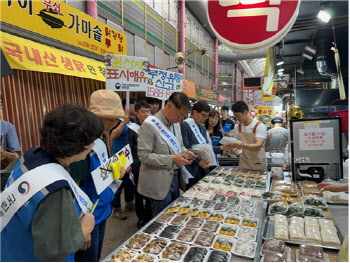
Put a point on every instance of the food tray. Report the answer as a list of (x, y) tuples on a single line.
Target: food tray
[(251, 219), (179, 220), (157, 242), (268, 233), (175, 248), (209, 238), (170, 232), (326, 194), (187, 235), (145, 258), (224, 243), (289, 255), (192, 254), (252, 243), (138, 241), (274, 200), (165, 217), (195, 222), (230, 227), (204, 213), (297, 254), (233, 217), (212, 258), (154, 228), (247, 228), (316, 197), (318, 209), (282, 212), (247, 211)]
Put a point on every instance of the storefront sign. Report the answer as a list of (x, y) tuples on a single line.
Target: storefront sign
[(251, 25), (189, 88), (161, 83), (125, 73), (316, 139), (222, 98), (28, 55), (58, 20), (207, 94), (265, 114)]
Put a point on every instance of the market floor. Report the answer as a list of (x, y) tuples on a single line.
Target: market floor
[(118, 231)]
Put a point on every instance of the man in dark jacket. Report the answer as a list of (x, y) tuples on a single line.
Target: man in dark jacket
[(194, 132), (143, 211)]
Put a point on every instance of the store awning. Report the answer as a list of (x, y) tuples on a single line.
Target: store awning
[(28, 55)]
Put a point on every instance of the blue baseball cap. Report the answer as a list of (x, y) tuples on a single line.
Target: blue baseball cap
[(277, 120)]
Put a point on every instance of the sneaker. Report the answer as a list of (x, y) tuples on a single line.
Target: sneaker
[(118, 214), (130, 207)]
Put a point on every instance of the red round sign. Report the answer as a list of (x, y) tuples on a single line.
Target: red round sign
[(251, 25)]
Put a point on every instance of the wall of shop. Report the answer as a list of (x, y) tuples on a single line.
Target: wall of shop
[(29, 95)]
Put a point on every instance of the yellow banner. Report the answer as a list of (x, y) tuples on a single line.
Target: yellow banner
[(189, 88), (265, 96), (269, 72), (28, 55), (58, 20), (265, 114)]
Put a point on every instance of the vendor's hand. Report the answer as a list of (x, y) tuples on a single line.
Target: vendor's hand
[(180, 159), (204, 164), (225, 147), (122, 172), (190, 155), (239, 146), (330, 187)]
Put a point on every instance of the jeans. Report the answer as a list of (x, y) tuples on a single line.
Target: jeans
[(93, 253), (174, 192), (129, 193)]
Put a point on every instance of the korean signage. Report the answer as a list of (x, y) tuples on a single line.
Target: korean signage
[(222, 98), (161, 83), (125, 73), (189, 88), (251, 25), (102, 176), (316, 139), (58, 20), (28, 55), (265, 114), (207, 94)]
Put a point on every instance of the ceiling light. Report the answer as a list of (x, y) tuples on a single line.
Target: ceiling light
[(280, 63), (300, 71), (324, 16), (310, 49), (307, 55), (280, 70), (280, 73)]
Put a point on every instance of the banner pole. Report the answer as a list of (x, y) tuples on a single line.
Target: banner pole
[(163, 104), (127, 102)]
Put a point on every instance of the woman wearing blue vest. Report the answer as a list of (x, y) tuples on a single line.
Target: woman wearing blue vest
[(39, 220), (105, 104)]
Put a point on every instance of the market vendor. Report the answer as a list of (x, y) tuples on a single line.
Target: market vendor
[(277, 137), (163, 155), (252, 133), (226, 123), (48, 227), (106, 105), (194, 132)]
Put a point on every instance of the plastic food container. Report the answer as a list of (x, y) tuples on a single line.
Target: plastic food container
[(224, 243), (244, 248)]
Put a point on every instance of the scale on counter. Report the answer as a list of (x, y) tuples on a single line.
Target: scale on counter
[(316, 147)]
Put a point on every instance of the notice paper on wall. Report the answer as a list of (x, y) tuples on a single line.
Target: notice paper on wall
[(316, 139)]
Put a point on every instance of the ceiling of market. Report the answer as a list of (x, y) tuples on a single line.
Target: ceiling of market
[(308, 29)]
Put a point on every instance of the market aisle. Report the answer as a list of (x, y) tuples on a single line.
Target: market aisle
[(118, 231)]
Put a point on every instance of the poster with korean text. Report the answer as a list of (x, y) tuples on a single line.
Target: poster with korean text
[(161, 83), (126, 73), (265, 114), (316, 139)]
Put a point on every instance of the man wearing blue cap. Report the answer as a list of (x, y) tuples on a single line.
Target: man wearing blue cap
[(277, 137)]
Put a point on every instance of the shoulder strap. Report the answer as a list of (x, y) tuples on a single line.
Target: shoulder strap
[(256, 126)]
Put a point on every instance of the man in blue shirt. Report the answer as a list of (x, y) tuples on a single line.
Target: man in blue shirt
[(118, 135), (226, 124)]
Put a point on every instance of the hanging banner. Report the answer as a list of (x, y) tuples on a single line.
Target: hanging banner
[(316, 139), (126, 73), (161, 83), (265, 96), (251, 26), (265, 114), (28, 55), (222, 98), (189, 88), (58, 20), (269, 72), (207, 94)]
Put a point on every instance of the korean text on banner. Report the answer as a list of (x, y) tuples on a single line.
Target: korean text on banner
[(126, 73), (273, 93), (207, 94), (161, 83), (189, 88), (316, 139), (102, 176), (265, 114), (58, 20), (28, 55), (269, 72)]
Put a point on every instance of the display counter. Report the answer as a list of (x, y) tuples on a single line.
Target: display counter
[(217, 219)]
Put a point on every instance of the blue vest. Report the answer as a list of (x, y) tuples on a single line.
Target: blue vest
[(119, 143), (103, 208), (16, 237)]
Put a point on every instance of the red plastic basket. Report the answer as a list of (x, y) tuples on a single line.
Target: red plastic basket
[(342, 114)]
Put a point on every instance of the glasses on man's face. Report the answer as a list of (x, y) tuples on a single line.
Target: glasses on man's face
[(204, 116)]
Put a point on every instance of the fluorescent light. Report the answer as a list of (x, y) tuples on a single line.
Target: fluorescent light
[(310, 49), (300, 71), (280, 70), (280, 73), (307, 55), (280, 63), (324, 16)]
